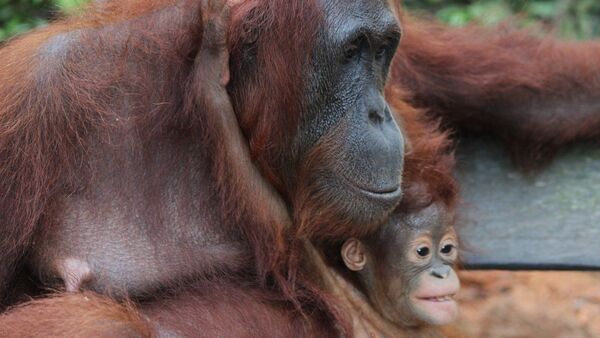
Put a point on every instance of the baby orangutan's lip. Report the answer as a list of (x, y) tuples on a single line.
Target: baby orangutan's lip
[(438, 294)]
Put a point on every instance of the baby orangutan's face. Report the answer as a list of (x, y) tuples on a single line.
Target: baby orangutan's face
[(407, 270)]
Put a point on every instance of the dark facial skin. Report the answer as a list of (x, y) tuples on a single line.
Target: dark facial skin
[(406, 271), (347, 114)]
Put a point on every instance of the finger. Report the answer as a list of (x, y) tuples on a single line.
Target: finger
[(215, 17), (215, 8)]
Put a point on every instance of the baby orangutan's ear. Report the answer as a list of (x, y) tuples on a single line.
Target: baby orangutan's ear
[(354, 255)]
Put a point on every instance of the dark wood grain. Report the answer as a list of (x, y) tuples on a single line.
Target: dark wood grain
[(550, 220)]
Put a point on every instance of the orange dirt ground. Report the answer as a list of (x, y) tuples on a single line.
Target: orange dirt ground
[(496, 304)]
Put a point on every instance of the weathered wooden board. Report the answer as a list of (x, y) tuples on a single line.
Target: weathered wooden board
[(513, 221)]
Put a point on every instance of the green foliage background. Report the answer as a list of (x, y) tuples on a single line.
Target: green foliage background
[(570, 18), (18, 16)]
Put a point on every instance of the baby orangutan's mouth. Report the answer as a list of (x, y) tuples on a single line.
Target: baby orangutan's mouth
[(437, 309), (438, 299)]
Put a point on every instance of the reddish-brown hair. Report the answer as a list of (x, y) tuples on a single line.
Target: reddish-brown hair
[(533, 93), (58, 99), (74, 315)]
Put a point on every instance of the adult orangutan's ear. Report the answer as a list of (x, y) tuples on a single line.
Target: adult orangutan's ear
[(354, 255)]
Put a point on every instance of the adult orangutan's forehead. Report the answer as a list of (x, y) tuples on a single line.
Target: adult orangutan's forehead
[(348, 17)]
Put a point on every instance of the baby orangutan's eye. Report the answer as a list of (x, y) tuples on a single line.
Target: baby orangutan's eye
[(447, 249), (423, 251)]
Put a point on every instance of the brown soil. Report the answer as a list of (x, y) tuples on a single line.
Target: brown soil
[(496, 304)]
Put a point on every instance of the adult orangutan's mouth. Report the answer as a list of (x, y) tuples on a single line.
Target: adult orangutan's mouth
[(385, 192), (382, 191)]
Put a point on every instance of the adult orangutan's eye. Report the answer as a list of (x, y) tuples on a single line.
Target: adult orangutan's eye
[(353, 49), (383, 49), (381, 52), (351, 52), (423, 251)]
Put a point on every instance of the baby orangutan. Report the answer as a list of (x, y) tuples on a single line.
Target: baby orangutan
[(406, 269), (399, 281)]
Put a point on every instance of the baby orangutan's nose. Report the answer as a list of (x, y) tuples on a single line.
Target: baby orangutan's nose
[(441, 272)]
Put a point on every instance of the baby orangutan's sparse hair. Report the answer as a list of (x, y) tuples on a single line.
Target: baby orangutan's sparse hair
[(405, 270)]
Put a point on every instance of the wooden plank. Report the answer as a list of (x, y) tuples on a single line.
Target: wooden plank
[(509, 220)]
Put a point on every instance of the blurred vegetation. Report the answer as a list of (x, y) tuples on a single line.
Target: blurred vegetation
[(18, 16), (570, 18)]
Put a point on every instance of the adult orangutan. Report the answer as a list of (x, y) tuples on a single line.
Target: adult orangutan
[(238, 309), (124, 169)]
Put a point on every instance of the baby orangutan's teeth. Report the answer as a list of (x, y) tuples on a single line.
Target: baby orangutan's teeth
[(439, 298)]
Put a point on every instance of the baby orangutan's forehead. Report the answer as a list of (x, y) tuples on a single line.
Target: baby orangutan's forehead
[(434, 219)]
